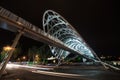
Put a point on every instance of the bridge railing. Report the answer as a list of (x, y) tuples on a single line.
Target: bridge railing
[(21, 22)]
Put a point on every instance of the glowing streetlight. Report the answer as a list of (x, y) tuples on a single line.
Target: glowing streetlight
[(7, 48), (24, 57), (36, 55)]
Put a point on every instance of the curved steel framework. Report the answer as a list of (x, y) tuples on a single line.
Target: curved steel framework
[(65, 36), (57, 26)]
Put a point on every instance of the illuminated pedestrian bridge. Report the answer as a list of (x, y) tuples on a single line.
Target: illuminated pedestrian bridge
[(61, 37), (58, 27)]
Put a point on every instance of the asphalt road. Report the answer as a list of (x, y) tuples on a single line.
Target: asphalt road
[(21, 74), (62, 73)]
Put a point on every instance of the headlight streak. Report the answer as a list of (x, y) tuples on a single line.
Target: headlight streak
[(68, 75), (11, 66)]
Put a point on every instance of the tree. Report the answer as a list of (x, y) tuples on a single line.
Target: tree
[(39, 54), (16, 52), (44, 53), (2, 55), (32, 52)]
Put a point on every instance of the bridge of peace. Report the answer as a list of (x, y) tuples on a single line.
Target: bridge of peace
[(62, 38)]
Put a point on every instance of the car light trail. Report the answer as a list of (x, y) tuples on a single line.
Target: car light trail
[(57, 74), (39, 70), (11, 65)]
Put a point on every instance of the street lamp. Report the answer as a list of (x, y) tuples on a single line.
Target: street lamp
[(7, 48), (5, 51)]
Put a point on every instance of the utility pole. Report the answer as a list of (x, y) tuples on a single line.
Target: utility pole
[(11, 51)]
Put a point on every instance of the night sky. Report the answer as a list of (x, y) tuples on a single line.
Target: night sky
[(97, 21)]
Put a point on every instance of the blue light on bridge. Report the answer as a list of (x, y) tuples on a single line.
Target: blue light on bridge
[(57, 26)]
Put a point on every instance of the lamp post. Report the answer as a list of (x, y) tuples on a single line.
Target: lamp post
[(5, 51)]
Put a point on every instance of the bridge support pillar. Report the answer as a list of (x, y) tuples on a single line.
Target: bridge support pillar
[(10, 52)]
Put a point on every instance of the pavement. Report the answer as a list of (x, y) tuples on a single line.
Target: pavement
[(20, 74), (60, 73)]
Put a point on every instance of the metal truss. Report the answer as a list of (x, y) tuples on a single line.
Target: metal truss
[(55, 25)]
